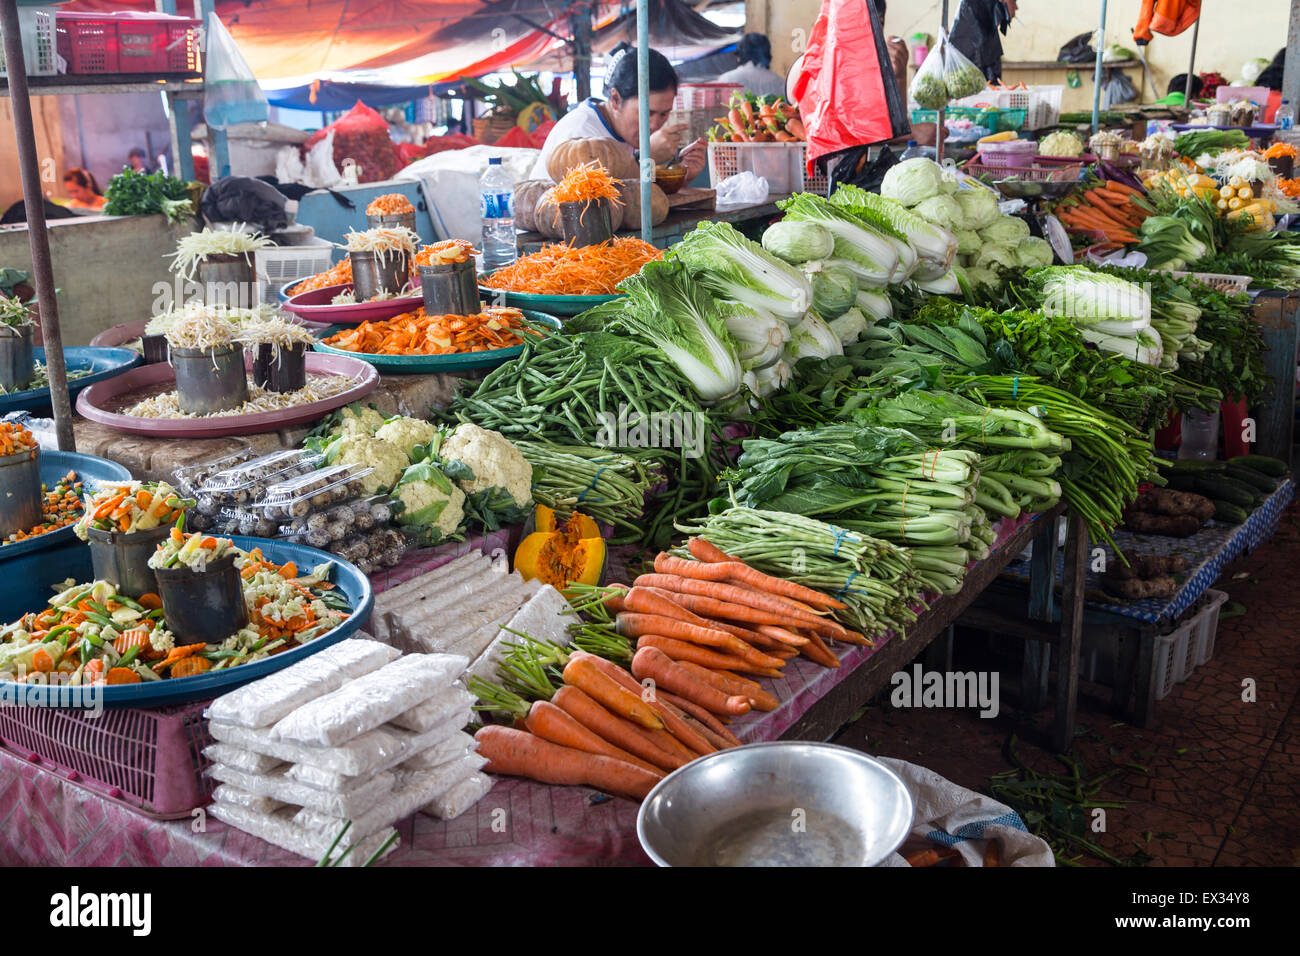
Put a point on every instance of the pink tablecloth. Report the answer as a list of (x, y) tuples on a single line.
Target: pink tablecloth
[(48, 821)]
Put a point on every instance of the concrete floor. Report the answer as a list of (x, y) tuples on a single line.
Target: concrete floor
[(1213, 781)]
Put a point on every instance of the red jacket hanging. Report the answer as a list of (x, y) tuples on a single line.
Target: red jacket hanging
[(1170, 17)]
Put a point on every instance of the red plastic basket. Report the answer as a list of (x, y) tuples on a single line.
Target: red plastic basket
[(149, 760), (128, 43), (699, 96), (1039, 169)]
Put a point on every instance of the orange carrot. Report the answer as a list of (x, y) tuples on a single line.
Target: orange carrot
[(704, 551), (653, 664), (816, 650), (560, 269), (634, 625), (779, 610), (614, 729), (730, 684), (150, 601), (782, 634), (42, 660), (586, 182), (122, 675), (748, 635), (683, 651), (739, 571), (581, 674), (700, 720), (522, 754), (189, 666), (552, 723)]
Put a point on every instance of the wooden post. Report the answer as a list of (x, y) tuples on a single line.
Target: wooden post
[(1067, 666), (1278, 318), (1042, 601), (1291, 71)]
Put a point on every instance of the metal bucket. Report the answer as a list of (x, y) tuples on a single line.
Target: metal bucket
[(371, 277), (450, 289), (154, 348), (210, 380), (229, 280), (404, 219), (586, 223), (205, 605), (20, 491), (124, 558), (282, 372), (17, 360)]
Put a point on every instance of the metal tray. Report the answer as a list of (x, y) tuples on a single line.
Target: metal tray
[(100, 403), (315, 306), (103, 364), (54, 465), (432, 364), (346, 577)]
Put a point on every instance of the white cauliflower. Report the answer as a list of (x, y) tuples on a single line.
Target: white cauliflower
[(429, 498), (388, 460), (406, 433), (495, 462), (359, 420), (161, 640)]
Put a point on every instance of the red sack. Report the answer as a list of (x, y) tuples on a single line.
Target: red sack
[(841, 92), (409, 153), (440, 144), (516, 139), (539, 135), (362, 135)]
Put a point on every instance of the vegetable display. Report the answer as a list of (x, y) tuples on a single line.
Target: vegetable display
[(417, 333), (60, 507), (758, 119), (561, 269), (135, 193), (389, 204), (132, 506)]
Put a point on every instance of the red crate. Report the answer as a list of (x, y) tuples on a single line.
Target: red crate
[(128, 43)]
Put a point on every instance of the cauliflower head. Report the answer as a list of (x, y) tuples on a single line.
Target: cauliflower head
[(406, 433), (388, 461), (358, 419), (492, 462), (430, 498)]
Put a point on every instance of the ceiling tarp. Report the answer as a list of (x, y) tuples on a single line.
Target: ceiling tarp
[(334, 96)]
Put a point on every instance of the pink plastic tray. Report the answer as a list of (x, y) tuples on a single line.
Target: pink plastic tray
[(315, 305), (102, 404)]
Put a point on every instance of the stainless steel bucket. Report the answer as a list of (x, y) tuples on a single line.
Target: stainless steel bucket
[(17, 360), (404, 219), (370, 276), (205, 605), (124, 558), (20, 491), (282, 372), (210, 380), (154, 348), (586, 223), (229, 280), (450, 289)]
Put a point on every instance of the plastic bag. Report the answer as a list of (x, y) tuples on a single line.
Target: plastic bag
[(248, 761), (961, 77), (928, 88), (230, 796), (361, 135), (743, 189), (278, 786), (279, 829), (1117, 89), (244, 199), (230, 91), (460, 798)]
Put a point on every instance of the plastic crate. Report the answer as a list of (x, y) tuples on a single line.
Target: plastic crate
[(991, 117), (698, 96), (1205, 626), (36, 26), (1217, 280), (280, 264), (128, 43), (150, 760), (781, 164), (1016, 152), (1170, 659), (1038, 169), (1042, 104)]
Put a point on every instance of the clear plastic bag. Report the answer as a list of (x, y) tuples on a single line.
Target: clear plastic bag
[(928, 89), (248, 761), (230, 796), (436, 626), (375, 749), (961, 77), (454, 802), (230, 91), (279, 786), (451, 704), (457, 745), (279, 829)]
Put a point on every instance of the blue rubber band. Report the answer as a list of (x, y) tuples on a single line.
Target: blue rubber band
[(840, 535), (845, 590), (1015, 385), (583, 495)]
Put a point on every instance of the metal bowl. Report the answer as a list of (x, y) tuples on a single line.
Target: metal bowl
[(776, 804), (1028, 189)]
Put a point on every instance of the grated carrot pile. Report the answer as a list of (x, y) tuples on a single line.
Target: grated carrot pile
[(560, 269), (416, 333), (390, 204), (586, 182), (341, 274), (1289, 187), (443, 253), (1278, 150)]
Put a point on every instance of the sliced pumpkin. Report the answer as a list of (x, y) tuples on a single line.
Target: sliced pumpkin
[(573, 554), (546, 519)]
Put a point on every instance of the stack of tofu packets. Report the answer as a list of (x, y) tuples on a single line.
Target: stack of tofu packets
[(356, 732)]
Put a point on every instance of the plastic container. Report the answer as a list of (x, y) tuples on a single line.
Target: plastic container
[(497, 206), (1170, 660), (279, 265), (1217, 280), (1284, 118), (17, 356), (128, 43), (36, 27), (1014, 152), (123, 558), (1036, 169), (781, 164), (282, 369), (148, 759), (205, 605), (450, 289), (308, 494), (372, 275), (1205, 626), (20, 491), (324, 526), (586, 223), (245, 521), (188, 479), (209, 380), (1200, 435), (699, 96), (246, 482)]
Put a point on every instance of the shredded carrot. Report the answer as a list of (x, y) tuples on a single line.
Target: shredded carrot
[(585, 183), (588, 270), (416, 333), (341, 274), (390, 204), (1279, 150), (444, 253), (1289, 187)]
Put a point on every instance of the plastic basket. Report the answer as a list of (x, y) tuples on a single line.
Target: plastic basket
[(36, 25), (781, 164), (281, 264), (1205, 626), (1015, 152), (1217, 280), (150, 760), (128, 43), (991, 117), (698, 96), (1042, 104), (1037, 169), (1170, 659)]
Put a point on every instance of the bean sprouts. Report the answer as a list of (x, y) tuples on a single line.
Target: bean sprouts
[(383, 242), (318, 388), (200, 327), (198, 246)]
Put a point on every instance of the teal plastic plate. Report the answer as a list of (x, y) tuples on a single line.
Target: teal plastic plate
[(432, 364), (564, 305)]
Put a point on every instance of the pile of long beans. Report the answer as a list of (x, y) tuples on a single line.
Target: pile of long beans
[(876, 579), (605, 485)]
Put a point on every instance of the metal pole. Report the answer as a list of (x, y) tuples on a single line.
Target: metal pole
[(1291, 68), (581, 26), (1191, 67), (1096, 75), (939, 128), (643, 113), (28, 167)]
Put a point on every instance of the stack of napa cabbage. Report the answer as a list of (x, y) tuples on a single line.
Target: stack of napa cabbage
[(987, 240)]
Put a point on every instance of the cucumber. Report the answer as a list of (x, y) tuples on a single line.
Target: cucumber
[(1227, 511), (1272, 467), (1195, 467), (1257, 480), (1222, 488)]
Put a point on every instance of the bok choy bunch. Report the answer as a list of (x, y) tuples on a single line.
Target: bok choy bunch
[(876, 254), (732, 267), (935, 246), (1112, 313)]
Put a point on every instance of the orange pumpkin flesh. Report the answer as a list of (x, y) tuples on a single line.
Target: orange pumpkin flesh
[(562, 557)]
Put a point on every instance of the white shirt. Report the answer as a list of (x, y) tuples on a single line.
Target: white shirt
[(759, 80), (584, 121)]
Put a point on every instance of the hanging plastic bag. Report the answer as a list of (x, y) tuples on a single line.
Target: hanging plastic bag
[(230, 91), (961, 77), (928, 88)]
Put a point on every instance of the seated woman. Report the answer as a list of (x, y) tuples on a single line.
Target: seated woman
[(83, 189), (618, 118)]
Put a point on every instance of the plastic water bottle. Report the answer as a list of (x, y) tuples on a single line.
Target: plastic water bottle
[(497, 197), (1284, 118), (912, 150), (1200, 435)]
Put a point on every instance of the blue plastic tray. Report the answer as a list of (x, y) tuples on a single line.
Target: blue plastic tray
[(350, 580), (54, 465), (103, 363)]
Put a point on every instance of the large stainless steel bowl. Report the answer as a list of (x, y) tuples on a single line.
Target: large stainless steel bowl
[(776, 804)]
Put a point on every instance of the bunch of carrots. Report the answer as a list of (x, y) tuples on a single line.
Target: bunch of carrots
[(417, 333), (560, 269), (389, 204), (700, 627), (758, 119), (586, 182), (1108, 208), (59, 508)]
